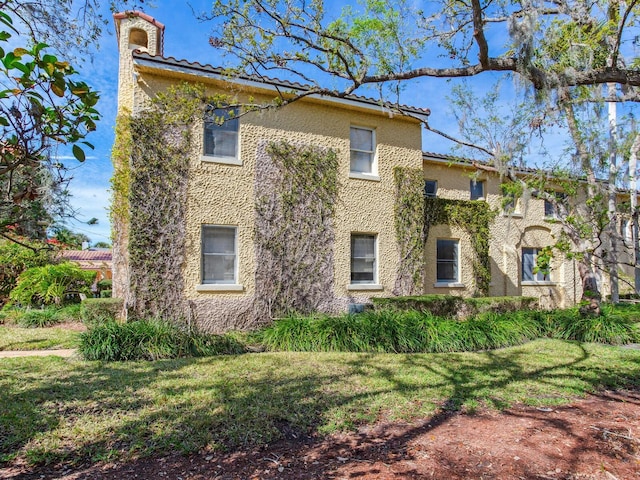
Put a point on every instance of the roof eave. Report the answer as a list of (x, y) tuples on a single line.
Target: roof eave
[(153, 63)]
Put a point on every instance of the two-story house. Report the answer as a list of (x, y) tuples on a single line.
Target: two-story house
[(224, 256)]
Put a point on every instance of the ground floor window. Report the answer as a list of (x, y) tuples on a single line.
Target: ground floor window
[(363, 258), (219, 254), (529, 270), (447, 260)]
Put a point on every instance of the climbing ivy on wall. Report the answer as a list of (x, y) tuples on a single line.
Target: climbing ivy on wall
[(152, 153), (473, 216), (296, 194), (409, 211)]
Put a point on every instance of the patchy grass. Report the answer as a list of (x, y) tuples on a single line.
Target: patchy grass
[(73, 411), (19, 338)]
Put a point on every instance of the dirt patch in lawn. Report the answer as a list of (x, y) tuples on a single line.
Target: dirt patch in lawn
[(594, 438)]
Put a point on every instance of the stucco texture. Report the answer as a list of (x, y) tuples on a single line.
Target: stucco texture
[(527, 227), (223, 194)]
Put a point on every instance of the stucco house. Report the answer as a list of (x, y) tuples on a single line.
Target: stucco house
[(224, 261)]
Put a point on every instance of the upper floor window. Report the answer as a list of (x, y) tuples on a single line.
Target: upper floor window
[(549, 209), (219, 254), (551, 206), (363, 258), (530, 271), (363, 145), (476, 187), (221, 134), (430, 188)]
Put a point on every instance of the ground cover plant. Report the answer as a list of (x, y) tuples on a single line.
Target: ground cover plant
[(40, 317), (19, 338), (151, 340), (411, 331), (73, 411), (398, 331)]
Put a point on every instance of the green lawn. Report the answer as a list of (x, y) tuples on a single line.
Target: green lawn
[(70, 410), (18, 338)]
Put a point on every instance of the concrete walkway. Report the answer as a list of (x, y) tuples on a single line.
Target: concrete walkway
[(65, 353)]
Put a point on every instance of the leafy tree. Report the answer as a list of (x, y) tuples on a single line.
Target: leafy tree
[(384, 42), (41, 105), (68, 239)]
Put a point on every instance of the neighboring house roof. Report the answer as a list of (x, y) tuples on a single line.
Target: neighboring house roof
[(484, 165), (87, 255), (144, 59)]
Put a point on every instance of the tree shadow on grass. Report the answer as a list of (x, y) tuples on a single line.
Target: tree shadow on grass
[(233, 403)]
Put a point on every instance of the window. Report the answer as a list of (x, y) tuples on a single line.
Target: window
[(363, 258), (476, 187), (447, 260), (221, 133), (430, 188), (219, 257), (529, 262), (362, 150), (508, 203), (549, 209)]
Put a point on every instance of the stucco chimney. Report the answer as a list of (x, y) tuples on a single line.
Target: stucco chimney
[(138, 31)]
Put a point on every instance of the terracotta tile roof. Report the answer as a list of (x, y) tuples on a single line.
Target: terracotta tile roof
[(198, 68), (87, 255)]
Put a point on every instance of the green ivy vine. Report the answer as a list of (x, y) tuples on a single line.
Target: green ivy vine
[(151, 158), (409, 216), (474, 217), (296, 194)]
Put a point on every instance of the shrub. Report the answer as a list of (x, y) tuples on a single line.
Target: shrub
[(151, 340), (15, 259), (69, 313), (105, 294), (100, 310), (452, 306), (396, 331), (52, 285)]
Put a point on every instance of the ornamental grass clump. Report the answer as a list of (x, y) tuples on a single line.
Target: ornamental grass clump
[(389, 331), (34, 318), (612, 326), (151, 340)]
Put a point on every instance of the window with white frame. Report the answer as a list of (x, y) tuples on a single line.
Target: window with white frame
[(363, 258), (476, 188), (363, 146), (447, 260), (430, 188), (530, 272), (219, 254), (221, 134)]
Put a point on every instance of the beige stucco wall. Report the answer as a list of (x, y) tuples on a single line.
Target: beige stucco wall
[(526, 227)]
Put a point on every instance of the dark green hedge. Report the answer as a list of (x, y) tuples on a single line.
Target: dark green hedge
[(452, 306)]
